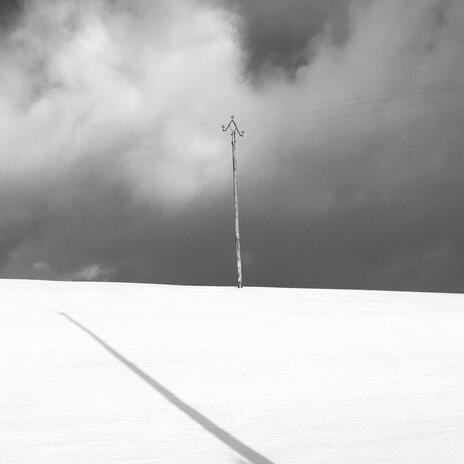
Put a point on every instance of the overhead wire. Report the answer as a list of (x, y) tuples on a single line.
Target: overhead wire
[(350, 104), (170, 139), (364, 99)]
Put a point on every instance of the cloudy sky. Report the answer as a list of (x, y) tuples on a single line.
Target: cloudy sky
[(113, 165)]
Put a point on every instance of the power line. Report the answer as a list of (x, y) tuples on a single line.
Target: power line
[(361, 100), (169, 139), (350, 104), (341, 116)]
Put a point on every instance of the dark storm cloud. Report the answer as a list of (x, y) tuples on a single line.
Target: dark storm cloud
[(404, 238), (278, 33), (102, 235), (113, 166), (9, 12)]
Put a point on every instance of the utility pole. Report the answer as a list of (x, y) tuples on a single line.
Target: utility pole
[(234, 130)]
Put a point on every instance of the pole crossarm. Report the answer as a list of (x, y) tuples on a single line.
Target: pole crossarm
[(233, 129)]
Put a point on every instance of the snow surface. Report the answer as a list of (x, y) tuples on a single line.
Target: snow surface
[(299, 376)]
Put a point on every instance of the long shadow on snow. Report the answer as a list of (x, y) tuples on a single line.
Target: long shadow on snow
[(214, 429)]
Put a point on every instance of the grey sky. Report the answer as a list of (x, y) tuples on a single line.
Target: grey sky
[(113, 165), (279, 34)]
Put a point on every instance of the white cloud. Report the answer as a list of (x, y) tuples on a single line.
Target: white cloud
[(135, 92), (92, 272)]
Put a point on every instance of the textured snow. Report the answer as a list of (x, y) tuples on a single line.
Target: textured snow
[(299, 376)]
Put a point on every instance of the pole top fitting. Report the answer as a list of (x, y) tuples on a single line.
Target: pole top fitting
[(233, 127)]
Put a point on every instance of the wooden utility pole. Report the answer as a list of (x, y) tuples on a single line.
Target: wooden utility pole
[(232, 126)]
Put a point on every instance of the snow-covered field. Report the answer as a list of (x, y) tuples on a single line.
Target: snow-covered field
[(298, 376)]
